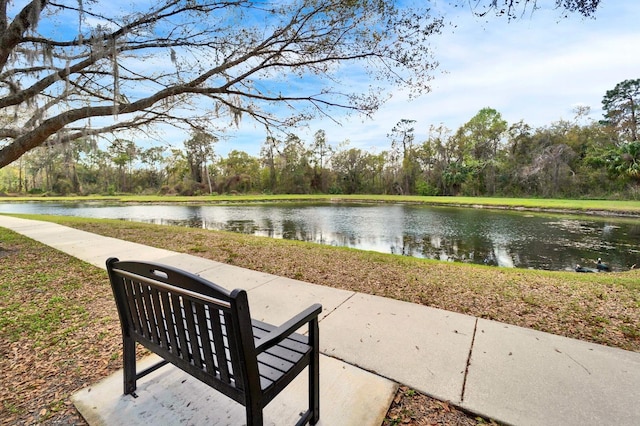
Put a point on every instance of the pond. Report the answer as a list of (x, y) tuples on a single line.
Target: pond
[(482, 236)]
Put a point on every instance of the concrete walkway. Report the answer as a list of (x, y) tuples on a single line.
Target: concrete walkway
[(369, 344)]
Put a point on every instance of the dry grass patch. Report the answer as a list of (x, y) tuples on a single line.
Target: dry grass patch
[(412, 408), (601, 308)]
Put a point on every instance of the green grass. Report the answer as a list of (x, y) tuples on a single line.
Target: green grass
[(38, 318), (58, 331)]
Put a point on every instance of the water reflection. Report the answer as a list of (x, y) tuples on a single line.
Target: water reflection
[(507, 239)]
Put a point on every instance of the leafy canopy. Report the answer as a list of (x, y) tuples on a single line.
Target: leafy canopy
[(76, 68), (622, 108)]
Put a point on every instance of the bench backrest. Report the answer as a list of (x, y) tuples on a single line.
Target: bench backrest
[(196, 325)]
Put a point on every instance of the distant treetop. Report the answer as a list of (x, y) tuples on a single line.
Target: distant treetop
[(516, 8)]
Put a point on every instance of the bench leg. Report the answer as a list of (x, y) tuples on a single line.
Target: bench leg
[(314, 372), (254, 416), (129, 365)]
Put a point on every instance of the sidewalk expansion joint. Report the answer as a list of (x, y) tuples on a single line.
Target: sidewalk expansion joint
[(275, 277), (338, 306), (466, 371), (361, 367)]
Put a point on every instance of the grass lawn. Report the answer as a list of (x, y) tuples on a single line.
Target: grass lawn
[(59, 331)]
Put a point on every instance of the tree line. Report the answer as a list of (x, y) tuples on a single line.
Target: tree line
[(486, 156), (70, 69)]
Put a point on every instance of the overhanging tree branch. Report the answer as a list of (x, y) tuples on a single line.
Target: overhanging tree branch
[(13, 33), (188, 59)]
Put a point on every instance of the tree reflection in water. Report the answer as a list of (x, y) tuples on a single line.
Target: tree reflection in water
[(481, 236)]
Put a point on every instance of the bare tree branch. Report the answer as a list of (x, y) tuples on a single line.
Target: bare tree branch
[(196, 63)]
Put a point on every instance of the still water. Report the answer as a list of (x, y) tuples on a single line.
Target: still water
[(501, 238)]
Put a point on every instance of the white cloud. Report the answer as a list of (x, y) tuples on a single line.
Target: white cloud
[(536, 69)]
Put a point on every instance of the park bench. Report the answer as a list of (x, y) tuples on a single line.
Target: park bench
[(207, 331)]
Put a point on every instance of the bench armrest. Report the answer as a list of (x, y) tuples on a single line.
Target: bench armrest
[(278, 334)]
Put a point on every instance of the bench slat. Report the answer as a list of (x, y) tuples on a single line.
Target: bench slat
[(133, 311), (233, 354), (183, 348), (220, 348), (273, 361), (193, 345), (149, 313), (159, 317), (139, 307), (167, 314), (205, 339)]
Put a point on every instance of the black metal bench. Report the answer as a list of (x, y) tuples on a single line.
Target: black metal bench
[(207, 331)]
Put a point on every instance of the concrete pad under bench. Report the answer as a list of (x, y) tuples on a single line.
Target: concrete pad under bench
[(349, 396), (422, 347), (519, 376)]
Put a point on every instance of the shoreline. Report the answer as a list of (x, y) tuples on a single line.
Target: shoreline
[(537, 205)]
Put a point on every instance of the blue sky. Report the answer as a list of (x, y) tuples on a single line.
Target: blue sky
[(536, 69)]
